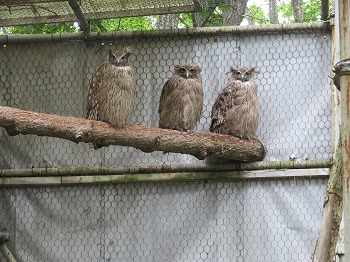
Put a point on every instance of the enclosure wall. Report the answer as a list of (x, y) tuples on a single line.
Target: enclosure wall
[(255, 220), (293, 88)]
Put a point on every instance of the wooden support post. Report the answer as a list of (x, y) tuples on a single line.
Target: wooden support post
[(344, 27)]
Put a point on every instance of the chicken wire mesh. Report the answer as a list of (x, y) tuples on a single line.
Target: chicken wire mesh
[(261, 220), (293, 88), (20, 13), (198, 221)]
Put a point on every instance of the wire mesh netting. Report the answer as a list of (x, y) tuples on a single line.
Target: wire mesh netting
[(293, 88), (20, 13), (197, 221)]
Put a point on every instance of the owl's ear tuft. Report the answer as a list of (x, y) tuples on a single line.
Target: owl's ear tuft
[(254, 70), (233, 70), (128, 50), (178, 67), (198, 68), (111, 54)]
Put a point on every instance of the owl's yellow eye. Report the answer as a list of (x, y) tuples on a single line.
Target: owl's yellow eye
[(182, 70)]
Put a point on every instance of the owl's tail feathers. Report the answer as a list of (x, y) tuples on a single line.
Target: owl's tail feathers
[(214, 127)]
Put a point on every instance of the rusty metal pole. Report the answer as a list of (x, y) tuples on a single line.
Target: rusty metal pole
[(344, 27)]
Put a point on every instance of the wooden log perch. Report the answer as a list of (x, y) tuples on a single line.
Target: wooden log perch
[(147, 139)]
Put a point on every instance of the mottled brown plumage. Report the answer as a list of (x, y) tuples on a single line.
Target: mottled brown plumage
[(112, 91), (181, 101), (236, 110)]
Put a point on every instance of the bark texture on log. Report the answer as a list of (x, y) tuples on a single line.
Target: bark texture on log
[(332, 213), (147, 139)]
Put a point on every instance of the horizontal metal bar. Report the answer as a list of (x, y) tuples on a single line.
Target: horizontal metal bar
[(167, 177), (204, 167), (117, 35)]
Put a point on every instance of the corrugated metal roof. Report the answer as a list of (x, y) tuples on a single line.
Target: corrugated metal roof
[(20, 12)]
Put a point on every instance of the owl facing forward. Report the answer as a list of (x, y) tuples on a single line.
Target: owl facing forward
[(181, 100), (111, 94), (236, 110)]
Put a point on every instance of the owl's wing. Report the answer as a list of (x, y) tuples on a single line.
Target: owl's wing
[(92, 103), (168, 87), (225, 101)]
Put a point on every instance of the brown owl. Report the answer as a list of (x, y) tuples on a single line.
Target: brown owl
[(181, 101), (112, 91), (236, 110)]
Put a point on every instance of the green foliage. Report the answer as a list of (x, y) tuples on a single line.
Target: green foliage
[(258, 14), (186, 21), (54, 28), (311, 10), (128, 23), (286, 10), (210, 17)]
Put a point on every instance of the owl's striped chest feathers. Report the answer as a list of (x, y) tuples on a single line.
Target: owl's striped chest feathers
[(236, 110)]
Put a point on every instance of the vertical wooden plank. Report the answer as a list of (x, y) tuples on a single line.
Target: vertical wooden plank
[(336, 121), (336, 107), (344, 45)]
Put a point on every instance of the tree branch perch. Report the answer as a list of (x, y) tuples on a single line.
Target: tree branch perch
[(147, 139)]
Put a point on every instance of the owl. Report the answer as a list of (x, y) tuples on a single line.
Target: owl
[(112, 94), (181, 100), (236, 109)]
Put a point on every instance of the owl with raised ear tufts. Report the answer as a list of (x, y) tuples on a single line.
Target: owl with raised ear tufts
[(236, 109), (112, 91), (181, 100)]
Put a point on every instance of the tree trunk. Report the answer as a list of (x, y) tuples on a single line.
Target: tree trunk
[(297, 11), (273, 12), (147, 139), (332, 214), (235, 14)]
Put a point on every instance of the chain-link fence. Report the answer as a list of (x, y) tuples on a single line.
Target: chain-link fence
[(198, 221)]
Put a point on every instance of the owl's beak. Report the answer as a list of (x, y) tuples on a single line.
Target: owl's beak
[(242, 78), (188, 74), (118, 62)]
